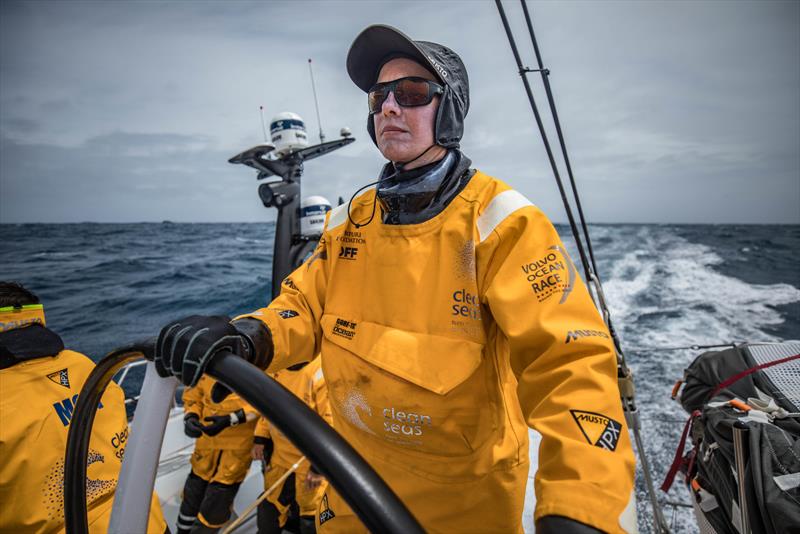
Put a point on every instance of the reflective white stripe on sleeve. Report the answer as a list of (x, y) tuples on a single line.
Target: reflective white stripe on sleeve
[(338, 216), (787, 482), (498, 209)]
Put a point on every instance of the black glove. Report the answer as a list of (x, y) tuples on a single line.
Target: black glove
[(185, 347), (192, 426), (221, 422), (259, 343)]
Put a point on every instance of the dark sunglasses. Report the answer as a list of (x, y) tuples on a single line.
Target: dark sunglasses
[(409, 92)]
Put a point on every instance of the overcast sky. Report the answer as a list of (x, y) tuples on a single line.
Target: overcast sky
[(128, 111)]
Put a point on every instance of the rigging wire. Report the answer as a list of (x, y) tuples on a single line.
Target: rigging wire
[(551, 101), (625, 376), (316, 102)]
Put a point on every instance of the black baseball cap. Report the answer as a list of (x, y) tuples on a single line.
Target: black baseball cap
[(379, 43)]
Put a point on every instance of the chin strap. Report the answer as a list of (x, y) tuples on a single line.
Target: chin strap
[(399, 166)]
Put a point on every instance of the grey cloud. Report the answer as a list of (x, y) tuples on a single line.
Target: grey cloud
[(21, 125), (680, 112)]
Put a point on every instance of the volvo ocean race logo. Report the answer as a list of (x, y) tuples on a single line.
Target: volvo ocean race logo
[(551, 274)]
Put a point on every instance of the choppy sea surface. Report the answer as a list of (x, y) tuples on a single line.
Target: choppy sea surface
[(668, 286)]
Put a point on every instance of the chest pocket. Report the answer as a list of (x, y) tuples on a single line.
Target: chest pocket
[(419, 392)]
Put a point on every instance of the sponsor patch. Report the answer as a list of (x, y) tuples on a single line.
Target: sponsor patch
[(325, 513), (573, 335), (288, 314), (352, 237), (60, 377), (552, 274), (348, 253), (343, 328), (599, 430)]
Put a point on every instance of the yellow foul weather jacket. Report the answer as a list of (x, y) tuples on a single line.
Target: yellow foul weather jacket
[(224, 458), (442, 342), (37, 399), (197, 400), (307, 384)]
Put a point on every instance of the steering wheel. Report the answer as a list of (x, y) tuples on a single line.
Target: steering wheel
[(362, 488)]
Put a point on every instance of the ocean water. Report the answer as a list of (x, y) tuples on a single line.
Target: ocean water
[(668, 286)]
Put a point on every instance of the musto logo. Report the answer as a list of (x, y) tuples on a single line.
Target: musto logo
[(599, 430), (551, 274), (573, 335)]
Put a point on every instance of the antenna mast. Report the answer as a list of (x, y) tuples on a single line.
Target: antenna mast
[(316, 102), (263, 128)]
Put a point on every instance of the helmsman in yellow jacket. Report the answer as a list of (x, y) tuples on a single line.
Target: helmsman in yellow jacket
[(450, 318), (39, 386), (305, 486), (221, 457)]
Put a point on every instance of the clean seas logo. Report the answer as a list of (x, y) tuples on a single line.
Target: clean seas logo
[(353, 402), (551, 274), (343, 328), (404, 423), (466, 304), (599, 430), (60, 377)]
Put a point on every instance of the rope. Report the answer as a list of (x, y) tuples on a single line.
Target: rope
[(625, 377), (264, 495)]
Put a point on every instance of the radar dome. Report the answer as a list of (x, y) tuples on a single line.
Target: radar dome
[(288, 132), (312, 215)]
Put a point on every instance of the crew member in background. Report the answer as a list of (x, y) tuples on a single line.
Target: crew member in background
[(39, 386), (445, 308), (221, 458), (305, 486)]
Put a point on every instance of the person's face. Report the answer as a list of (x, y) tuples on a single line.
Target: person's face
[(403, 133)]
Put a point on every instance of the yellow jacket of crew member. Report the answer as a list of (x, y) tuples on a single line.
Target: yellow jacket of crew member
[(37, 399), (441, 342), (197, 400), (308, 384)]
